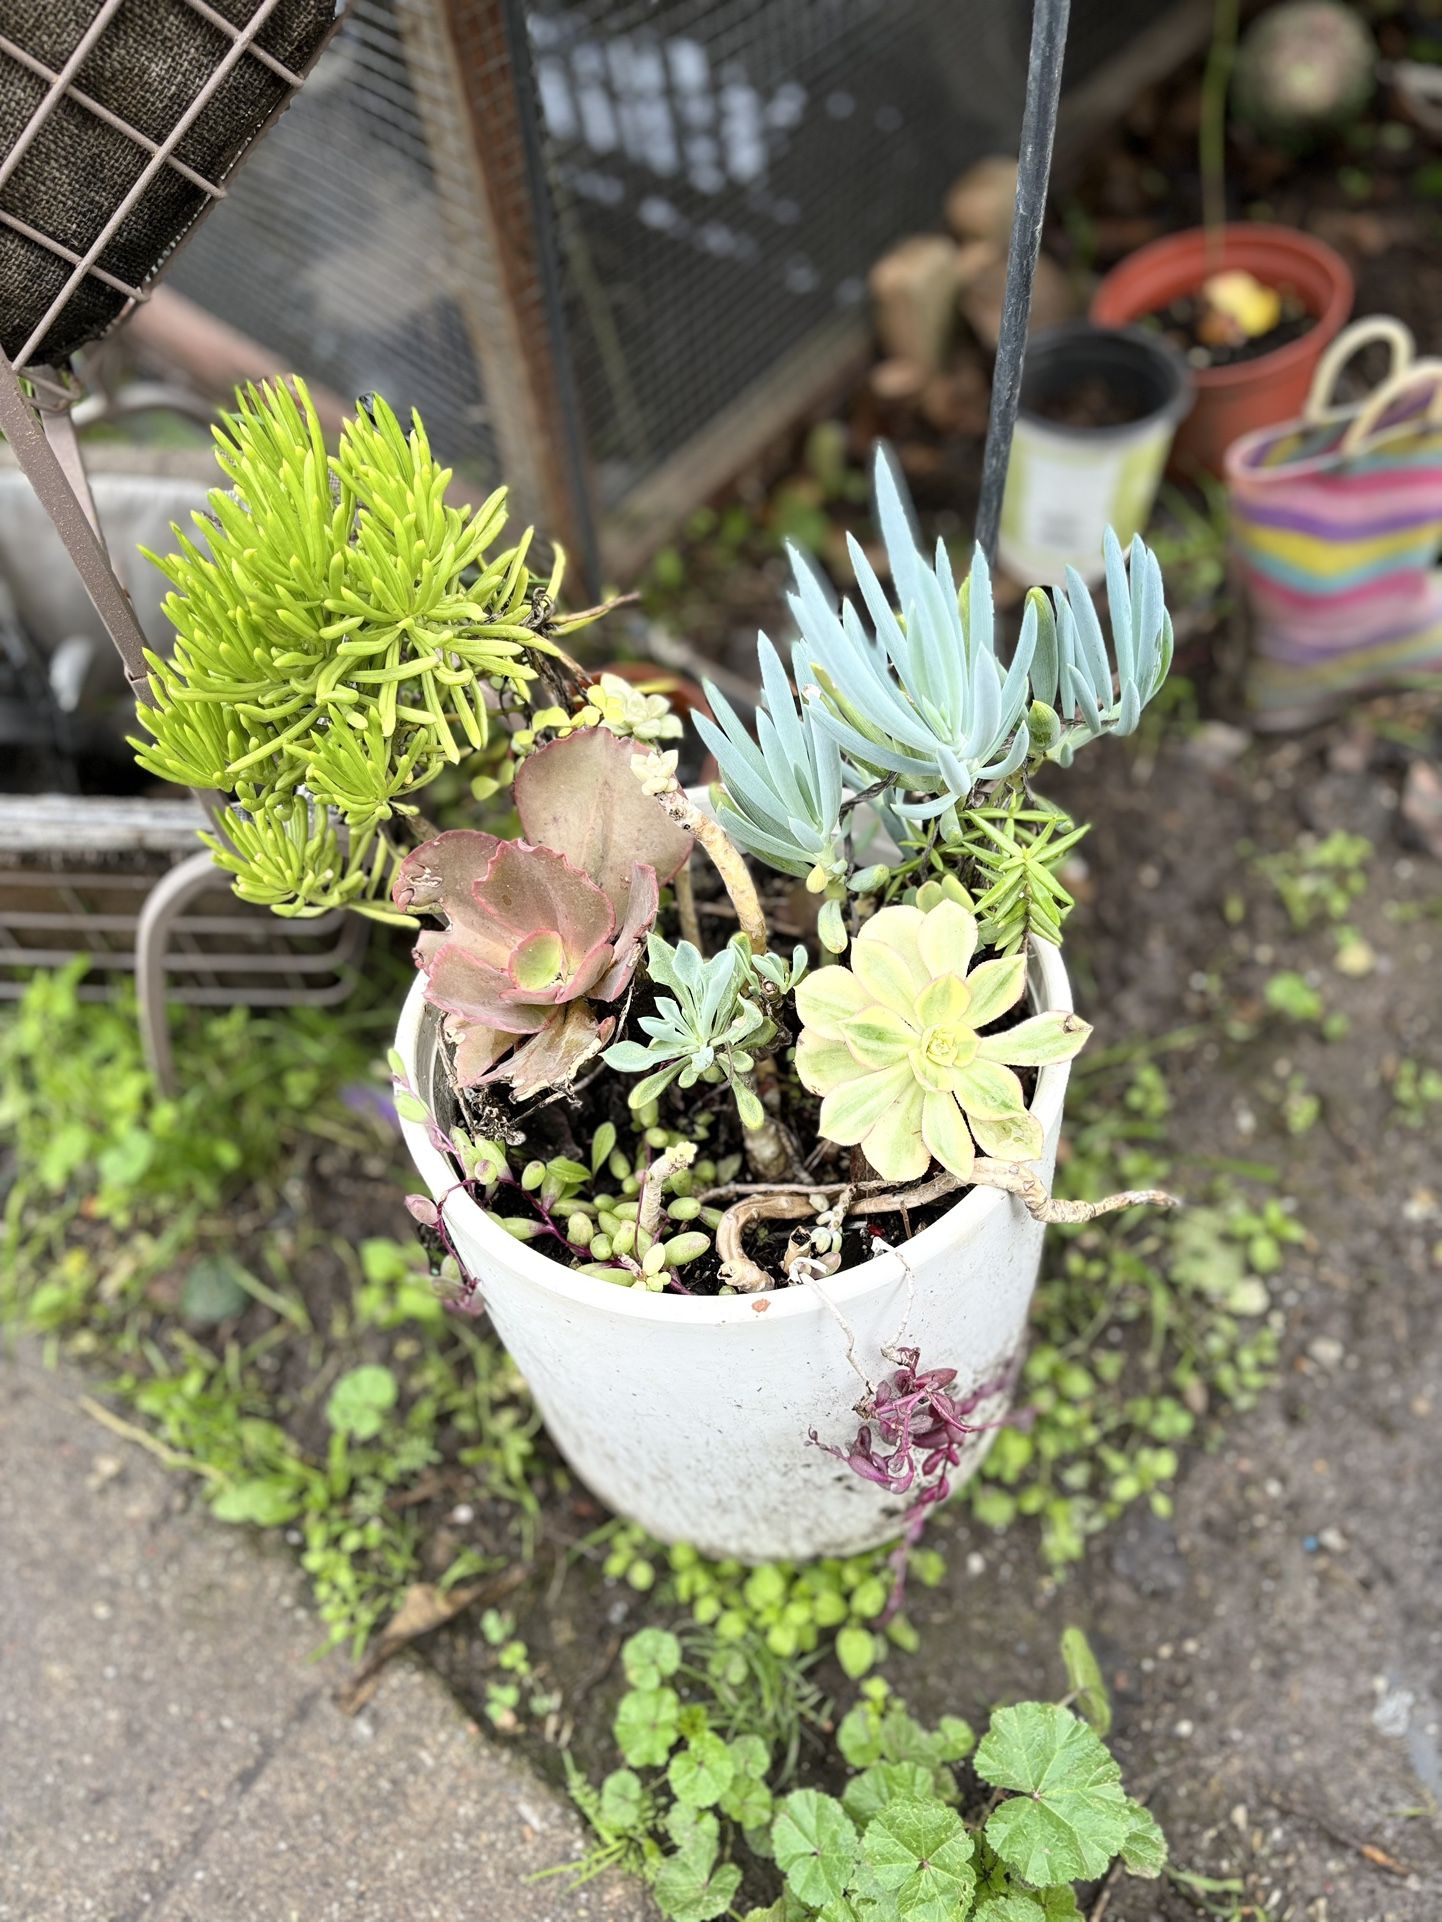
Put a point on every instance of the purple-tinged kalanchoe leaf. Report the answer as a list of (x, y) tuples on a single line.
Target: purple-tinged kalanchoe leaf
[(540, 929), (580, 796)]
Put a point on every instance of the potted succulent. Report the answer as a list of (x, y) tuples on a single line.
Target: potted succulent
[(736, 1110), (1252, 306)]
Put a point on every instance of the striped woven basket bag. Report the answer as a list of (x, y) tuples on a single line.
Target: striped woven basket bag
[(1336, 524)]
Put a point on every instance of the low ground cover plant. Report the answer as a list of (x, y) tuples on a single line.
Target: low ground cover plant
[(142, 1272), (700, 1809)]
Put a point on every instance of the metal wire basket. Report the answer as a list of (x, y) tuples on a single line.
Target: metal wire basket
[(128, 117)]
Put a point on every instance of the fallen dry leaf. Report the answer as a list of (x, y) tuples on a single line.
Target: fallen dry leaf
[(1382, 1859), (423, 1607)]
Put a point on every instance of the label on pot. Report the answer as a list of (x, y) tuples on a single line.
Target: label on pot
[(1064, 490)]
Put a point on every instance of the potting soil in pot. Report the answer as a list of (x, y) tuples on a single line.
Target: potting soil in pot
[(569, 1129), (1092, 402), (1184, 323)]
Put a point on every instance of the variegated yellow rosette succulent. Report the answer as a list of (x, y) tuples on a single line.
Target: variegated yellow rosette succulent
[(894, 1045)]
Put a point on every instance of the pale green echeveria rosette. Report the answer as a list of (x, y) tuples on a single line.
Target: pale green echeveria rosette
[(894, 1046)]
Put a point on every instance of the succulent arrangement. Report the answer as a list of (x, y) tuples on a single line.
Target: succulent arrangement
[(634, 1076)]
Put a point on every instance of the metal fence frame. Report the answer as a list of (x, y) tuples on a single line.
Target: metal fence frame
[(451, 89)]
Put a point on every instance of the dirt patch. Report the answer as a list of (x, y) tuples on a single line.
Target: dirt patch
[(1274, 1646)]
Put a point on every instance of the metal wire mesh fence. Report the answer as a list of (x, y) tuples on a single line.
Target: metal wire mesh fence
[(720, 174), (734, 170), (120, 121), (336, 247)]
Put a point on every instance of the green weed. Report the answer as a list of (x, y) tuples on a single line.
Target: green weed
[(120, 1240), (1318, 880), (1139, 1335)]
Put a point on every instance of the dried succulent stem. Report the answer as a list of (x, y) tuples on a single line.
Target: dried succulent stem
[(810, 1279), (770, 1150), (583, 617), (737, 1268), (648, 1210), (1015, 1178), (880, 1200), (686, 906), (417, 827), (727, 860), (793, 1201)]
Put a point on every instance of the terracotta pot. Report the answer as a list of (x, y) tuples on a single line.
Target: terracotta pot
[(1232, 401)]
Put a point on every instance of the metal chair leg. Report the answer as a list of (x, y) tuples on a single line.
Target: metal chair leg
[(164, 905)]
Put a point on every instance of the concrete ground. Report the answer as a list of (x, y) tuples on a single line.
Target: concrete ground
[(169, 1747)]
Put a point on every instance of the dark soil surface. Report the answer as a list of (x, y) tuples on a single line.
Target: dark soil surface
[(1092, 402), (1277, 1647), (1184, 324)]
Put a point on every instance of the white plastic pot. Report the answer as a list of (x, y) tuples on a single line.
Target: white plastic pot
[(692, 1414), (1066, 485)]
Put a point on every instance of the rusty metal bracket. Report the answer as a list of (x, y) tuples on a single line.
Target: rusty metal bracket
[(42, 466)]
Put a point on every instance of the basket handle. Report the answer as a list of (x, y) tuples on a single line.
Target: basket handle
[(1420, 373), (1321, 398)]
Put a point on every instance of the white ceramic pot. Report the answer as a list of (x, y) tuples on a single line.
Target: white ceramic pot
[(691, 1414)]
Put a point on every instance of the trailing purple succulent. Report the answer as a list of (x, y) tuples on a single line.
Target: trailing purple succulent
[(912, 1436), (543, 929)]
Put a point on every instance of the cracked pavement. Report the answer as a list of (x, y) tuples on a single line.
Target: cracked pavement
[(169, 1747)]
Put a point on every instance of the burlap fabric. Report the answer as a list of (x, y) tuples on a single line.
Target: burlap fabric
[(147, 67)]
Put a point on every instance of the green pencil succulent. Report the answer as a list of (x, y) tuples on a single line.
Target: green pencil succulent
[(338, 627)]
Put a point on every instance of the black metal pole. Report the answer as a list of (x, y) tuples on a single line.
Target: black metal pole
[(1038, 129)]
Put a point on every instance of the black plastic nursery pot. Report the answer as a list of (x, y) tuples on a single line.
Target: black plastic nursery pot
[(1099, 409)]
